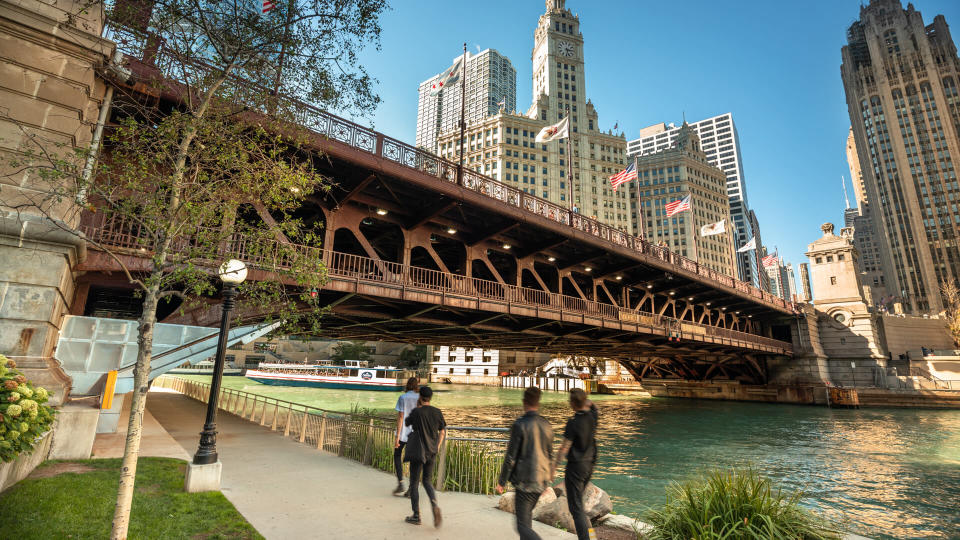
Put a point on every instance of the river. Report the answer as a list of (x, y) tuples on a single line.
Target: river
[(890, 473)]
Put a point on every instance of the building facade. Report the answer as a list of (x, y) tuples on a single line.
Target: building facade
[(721, 143), (675, 173), (902, 82), (503, 147), (449, 361), (491, 87)]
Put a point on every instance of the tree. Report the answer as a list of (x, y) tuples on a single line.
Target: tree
[(350, 350), (951, 304), (592, 364), (215, 167), (412, 358)]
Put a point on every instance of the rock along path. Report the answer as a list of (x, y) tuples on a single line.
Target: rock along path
[(289, 490)]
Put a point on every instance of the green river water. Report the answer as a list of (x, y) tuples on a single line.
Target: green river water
[(890, 473)]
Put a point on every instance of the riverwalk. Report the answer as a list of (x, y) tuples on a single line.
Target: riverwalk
[(290, 490)]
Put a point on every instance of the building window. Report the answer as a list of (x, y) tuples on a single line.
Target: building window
[(434, 370), (451, 371), (468, 371), (833, 280)]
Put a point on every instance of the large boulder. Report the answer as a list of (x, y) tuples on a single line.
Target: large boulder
[(625, 523), (555, 514), (596, 502), (508, 501)]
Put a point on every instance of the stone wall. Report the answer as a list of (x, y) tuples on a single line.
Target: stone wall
[(911, 333), (51, 94)]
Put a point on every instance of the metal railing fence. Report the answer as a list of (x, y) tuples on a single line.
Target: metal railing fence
[(465, 464), (116, 234)]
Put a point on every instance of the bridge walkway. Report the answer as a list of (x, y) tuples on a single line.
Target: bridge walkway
[(289, 490)]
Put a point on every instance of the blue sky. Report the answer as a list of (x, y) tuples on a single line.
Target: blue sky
[(774, 65)]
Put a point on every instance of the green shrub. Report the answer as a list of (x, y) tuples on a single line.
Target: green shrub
[(735, 505), (23, 415)]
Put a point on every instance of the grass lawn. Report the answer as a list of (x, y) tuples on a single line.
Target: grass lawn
[(75, 499)]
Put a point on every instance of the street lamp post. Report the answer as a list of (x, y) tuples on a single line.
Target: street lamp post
[(232, 273)]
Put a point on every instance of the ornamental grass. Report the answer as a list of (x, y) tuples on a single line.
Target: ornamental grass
[(735, 505)]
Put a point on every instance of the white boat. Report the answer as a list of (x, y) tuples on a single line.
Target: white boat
[(354, 375)]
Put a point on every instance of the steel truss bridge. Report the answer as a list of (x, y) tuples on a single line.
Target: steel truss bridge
[(419, 253)]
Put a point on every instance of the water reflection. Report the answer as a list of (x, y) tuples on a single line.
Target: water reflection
[(894, 473), (889, 473)]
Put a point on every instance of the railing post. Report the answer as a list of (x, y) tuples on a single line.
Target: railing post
[(441, 466), (286, 427), (366, 448), (323, 431), (276, 411), (379, 147), (303, 426)]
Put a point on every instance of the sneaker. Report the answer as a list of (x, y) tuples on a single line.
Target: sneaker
[(437, 517), (399, 489), (413, 520), (407, 493)]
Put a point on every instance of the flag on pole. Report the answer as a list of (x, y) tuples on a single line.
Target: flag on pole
[(502, 103), (267, 6), (770, 261), (678, 206), (752, 244), (560, 130), (711, 229), (448, 77), (624, 176)]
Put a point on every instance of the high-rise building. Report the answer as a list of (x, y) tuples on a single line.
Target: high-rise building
[(721, 143), (675, 173), (503, 146), (491, 87), (856, 174), (858, 224), (780, 280), (902, 82)]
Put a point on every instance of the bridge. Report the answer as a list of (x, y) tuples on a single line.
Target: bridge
[(421, 252)]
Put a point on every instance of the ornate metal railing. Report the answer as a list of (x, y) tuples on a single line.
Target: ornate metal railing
[(118, 234), (365, 139)]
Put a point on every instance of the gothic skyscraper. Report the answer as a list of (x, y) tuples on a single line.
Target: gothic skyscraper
[(902, 81)]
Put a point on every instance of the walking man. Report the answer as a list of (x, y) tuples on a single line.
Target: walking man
[(527, 463), (429, 430), (580, 448), (405, 405)]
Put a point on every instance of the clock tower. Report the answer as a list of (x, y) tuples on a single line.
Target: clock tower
[(558, 65)]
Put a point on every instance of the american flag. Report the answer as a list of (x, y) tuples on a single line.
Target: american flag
[(770, 261), (678, 206), (624, 176), (267, 6)]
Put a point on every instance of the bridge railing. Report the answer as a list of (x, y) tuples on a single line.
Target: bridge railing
[(117, 233), (333, 127)]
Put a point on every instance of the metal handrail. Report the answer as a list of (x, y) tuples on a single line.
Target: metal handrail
[(358, 268), (363, 138)]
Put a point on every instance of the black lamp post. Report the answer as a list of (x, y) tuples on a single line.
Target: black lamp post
[(232, 273)]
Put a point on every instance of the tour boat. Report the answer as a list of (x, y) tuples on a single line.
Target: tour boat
[(353, 375)]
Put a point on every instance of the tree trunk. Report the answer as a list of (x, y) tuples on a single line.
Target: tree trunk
[(131, 450)]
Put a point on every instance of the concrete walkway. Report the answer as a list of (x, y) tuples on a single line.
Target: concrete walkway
[(154, 440), (288, 490)]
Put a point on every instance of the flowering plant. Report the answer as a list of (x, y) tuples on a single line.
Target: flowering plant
[(23, 415)]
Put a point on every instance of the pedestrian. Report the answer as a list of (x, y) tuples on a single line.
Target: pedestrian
[(405, 405), (580, 448), (528, 461), (429, 430)]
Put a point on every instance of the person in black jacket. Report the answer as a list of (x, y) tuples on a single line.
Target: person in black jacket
[(429, 430), (579, 439), (527, 462)]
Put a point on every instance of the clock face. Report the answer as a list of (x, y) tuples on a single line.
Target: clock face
[(565, 48)]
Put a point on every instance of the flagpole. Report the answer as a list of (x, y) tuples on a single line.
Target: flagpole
[(283, 49), (569, 162), (463, 112)]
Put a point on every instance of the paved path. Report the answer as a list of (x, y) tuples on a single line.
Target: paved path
[(154, 440), (291, 491)]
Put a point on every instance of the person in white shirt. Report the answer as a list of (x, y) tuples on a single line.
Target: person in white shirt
[(405, 405)]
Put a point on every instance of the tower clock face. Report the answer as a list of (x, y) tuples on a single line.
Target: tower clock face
[(565, 48)]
